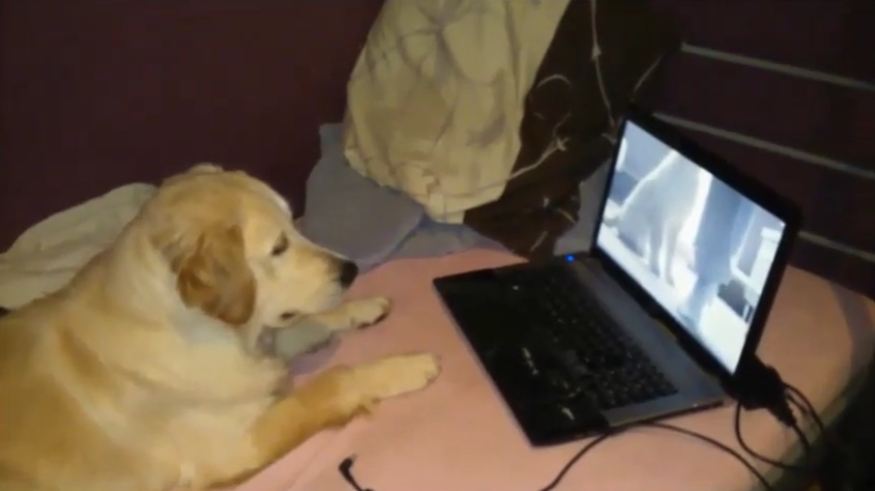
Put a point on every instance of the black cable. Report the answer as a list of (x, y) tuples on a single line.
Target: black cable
[(812, 413), (781, 465), (665, 426), (759, 386), (345, 466), (719, 445), (825, 433), (800, 406), (345, 469), (784, 414), (803, 439), (567, 467), (856, 466), (805, 405)]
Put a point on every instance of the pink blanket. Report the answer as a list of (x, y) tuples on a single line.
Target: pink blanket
[(458, 436)]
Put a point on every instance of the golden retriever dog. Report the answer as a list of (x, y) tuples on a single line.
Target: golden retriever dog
[(144, 373)]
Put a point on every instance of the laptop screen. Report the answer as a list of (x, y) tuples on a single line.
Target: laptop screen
[(698, 247)]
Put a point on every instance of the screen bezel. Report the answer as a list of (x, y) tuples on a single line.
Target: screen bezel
[(747, 187)]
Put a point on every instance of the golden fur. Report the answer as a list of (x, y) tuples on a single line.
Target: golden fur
[(144, 373)]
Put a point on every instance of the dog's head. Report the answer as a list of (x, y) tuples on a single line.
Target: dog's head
[(230, 244)]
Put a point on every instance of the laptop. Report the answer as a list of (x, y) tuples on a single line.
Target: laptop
[(660, 317)]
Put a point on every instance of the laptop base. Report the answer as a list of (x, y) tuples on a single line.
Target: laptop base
[(551, 401)]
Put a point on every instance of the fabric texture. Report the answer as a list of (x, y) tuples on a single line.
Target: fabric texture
[(458, 434), (602, 55), (352, 215), (372, 224), (436, 97), (47, 256), (368, 223)]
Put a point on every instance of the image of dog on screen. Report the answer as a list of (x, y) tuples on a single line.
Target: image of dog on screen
[(650, 220), (700, 248)]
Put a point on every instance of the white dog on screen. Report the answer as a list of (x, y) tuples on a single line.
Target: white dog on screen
[(651, 217)]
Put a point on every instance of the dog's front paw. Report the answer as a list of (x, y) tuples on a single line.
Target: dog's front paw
[(363, 313), (396, 375), (354, 314)]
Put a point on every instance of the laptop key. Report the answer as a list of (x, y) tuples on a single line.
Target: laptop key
[(590, 356)]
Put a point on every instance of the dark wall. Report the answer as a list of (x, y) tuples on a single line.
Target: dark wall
[(99, 93), (805, 127)]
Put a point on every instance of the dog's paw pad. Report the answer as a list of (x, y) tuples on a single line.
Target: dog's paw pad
[(368, 312), (379, 319)]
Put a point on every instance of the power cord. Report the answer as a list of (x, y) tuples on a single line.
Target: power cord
[(759, 387), (580, 453), (346, 465), (803, 439), (345, 469), (781, 465), (798, 399), (721, 446), (668, 427)]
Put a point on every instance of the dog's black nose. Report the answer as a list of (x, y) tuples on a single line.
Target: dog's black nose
[(348, 272)]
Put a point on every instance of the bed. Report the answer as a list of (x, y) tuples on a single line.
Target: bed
[(459, 435)]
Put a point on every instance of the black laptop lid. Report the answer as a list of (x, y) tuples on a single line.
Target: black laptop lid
[(702, 245)]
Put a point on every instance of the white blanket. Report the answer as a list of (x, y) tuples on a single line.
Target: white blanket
[(47, 255), (436, 98)]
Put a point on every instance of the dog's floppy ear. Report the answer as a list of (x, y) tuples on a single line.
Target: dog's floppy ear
[(212, 273)]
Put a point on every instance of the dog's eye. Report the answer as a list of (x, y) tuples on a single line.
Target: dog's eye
[(288, 316), (281, 245)]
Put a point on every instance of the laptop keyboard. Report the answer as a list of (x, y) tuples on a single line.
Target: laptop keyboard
[(592, 356)]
